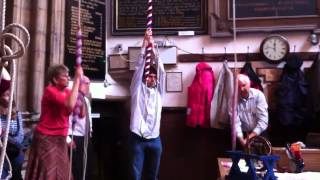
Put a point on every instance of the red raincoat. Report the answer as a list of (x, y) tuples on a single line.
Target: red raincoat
[(200, 94)]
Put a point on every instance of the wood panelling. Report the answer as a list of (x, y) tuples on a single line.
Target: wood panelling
[(110, 133), (188, 153)]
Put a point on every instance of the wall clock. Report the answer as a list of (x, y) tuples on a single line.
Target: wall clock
[(274, 48)]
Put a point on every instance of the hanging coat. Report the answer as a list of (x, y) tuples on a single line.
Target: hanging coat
[(293, 108), (314, 81), (254, 79), (200, 94), (222, 99)]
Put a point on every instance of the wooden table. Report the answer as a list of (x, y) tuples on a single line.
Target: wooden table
[(222, 168)]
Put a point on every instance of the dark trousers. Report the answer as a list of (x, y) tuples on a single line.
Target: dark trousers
[(142, 151), (16, 164), (77, 159)]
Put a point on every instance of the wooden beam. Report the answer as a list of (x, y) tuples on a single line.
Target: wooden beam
[(306, 56)]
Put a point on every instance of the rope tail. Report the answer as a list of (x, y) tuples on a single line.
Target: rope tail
[(235, 94), (85, 144), (71, 152), (77, 63), (86, 140)]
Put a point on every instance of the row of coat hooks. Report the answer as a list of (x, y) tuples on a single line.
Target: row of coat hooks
[(191, 57), (241, 57)]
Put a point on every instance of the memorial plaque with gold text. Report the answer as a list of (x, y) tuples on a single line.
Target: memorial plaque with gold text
[(93, 19), (169, 16), (257, 9)]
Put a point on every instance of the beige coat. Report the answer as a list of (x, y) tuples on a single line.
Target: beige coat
[(222, 99)]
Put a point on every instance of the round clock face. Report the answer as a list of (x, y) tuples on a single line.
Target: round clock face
[(275, 48)]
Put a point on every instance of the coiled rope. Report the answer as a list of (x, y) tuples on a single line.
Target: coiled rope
[(4, 5), (7, 54)]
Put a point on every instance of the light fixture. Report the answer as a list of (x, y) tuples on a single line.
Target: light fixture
[(106, 83), (314, 38)]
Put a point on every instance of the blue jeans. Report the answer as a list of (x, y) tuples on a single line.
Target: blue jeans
[(142, 151)]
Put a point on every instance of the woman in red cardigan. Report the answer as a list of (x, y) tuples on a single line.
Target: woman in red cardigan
[(48, 158)]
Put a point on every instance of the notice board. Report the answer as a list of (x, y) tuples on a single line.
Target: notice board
[(256, 9), (269, 16), (169, 16), (93, 18)]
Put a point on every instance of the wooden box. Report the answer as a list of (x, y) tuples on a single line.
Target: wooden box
[(311, 158)]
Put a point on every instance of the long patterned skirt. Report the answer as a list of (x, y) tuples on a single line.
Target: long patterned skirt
[(48, 158)]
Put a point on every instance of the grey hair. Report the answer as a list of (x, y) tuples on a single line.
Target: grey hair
[(55, 70), (244, 79)]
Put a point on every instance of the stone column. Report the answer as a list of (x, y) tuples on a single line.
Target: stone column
[(21, 13), (45, 21), (57, 19), (38, 54)]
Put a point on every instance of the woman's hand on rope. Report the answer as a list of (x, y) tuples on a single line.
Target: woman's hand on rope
[(71, 144), (78, 72)]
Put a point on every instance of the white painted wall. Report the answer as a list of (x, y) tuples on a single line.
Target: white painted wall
[(194, 44)]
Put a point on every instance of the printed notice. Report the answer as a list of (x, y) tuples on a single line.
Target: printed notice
[(93, 41)]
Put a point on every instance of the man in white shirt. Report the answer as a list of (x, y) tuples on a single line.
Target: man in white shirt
[(81, 127), (146, 107), (252, 111)]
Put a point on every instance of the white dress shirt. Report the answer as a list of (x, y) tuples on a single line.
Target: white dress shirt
[(80, 123), (252, 113), (146, 103)]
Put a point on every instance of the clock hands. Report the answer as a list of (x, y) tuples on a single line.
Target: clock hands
[(268, 47), (274, 48)]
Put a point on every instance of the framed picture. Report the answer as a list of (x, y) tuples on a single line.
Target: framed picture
[(117, 62), (174, 82)]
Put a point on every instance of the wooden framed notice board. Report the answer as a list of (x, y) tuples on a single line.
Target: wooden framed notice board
[(169, 16), (265, 16)]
